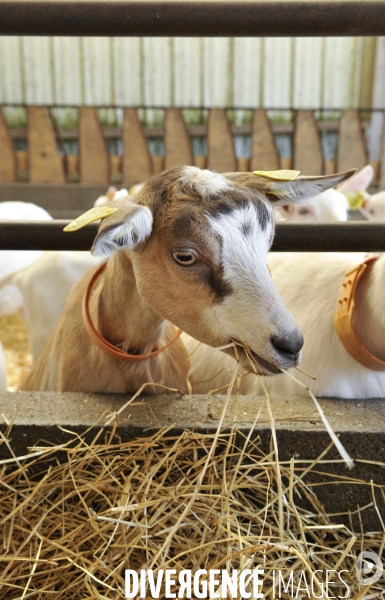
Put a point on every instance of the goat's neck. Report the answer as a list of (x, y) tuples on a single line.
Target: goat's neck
[(369, 314), (124, 317)]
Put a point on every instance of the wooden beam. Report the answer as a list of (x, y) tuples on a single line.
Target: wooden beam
[(157, 164), (308, 156), (200, 161), (221, 155), (45, 162), (176, 140), (264, 153), (351, 143), (382, 163), (243, 164), (137, 162), (94, 158), (8, 165)]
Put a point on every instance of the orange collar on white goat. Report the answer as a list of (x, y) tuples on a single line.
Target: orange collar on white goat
[(343, 319)]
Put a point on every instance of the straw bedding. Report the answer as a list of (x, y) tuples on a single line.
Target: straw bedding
[(189, 501), (18, 358)]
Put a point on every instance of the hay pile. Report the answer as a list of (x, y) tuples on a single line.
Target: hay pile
[(165, 501), (18, 357), (74, 517)]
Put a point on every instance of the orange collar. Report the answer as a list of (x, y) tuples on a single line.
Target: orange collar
[(343, 318), (101, 342)]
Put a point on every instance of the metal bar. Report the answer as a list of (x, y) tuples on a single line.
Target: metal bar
[(203, 107), (193, 130), (192, 17), (290, 237), (44, 235), (356, 236)]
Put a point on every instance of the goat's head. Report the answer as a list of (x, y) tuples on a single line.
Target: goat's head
[(198, 242), (331, 205), (374, 206)]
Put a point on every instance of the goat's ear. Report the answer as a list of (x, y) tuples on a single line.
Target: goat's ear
[(297, 190), (359, 182), (127, 228)]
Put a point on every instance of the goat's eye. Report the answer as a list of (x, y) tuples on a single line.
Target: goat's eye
[(185, 257), (303, 211)]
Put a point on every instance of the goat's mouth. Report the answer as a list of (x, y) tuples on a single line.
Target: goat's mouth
[(250, 360)]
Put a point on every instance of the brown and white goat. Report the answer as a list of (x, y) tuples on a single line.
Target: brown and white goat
[(190, 249)]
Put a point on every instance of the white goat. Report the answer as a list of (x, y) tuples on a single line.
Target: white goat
[(190, 248), (107, 197), (331, 205), (10, 260), (310, 285), (43, 287), (373, 205), (40, 289), (112, 193)]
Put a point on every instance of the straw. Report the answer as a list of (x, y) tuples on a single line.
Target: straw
[(17, 355), (88, 511), (74, 516)]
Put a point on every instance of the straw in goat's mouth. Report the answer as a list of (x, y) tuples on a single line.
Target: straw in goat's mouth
[(263, 364), (256, 368)]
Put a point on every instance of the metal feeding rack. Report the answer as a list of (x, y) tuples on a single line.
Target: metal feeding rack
[(49, 170)]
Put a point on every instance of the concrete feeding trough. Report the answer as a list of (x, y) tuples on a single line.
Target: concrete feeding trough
[(299, 429)]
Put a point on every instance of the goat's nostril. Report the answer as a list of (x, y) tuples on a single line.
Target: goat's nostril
[(288, 345)]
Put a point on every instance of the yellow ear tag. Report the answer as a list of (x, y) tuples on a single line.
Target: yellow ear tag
[(283, 175), (355, 199), (96, 213)]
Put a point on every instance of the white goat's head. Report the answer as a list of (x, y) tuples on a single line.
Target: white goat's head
[(328, 206), (374, 206), (198, 243)]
